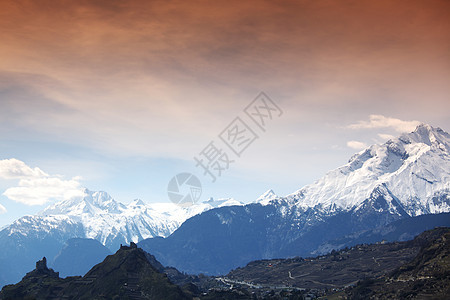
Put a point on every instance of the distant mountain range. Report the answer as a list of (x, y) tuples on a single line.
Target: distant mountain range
[(405, 177), (95, 216), (113, 223)]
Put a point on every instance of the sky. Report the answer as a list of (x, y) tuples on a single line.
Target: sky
[(120, 96)]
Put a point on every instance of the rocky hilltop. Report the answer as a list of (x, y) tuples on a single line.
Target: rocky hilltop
[(128, 274)]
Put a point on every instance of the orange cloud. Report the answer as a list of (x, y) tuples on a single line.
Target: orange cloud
[(166, 69)]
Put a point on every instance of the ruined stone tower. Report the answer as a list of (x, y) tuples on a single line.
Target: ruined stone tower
[(41, 265)]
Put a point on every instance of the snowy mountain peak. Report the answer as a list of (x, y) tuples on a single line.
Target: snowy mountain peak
[(137, 202), (265, 198), (92, 203), (415, 168), (222, 202), (98, 198), (428, 135), (105, 202), (112, 223)]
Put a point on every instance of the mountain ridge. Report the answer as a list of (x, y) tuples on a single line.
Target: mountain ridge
[(95, 216), (400, 160), (379, 185), (111, 222)]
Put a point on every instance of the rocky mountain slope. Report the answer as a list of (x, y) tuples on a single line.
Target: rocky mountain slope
[(425, 277), (338, 269)]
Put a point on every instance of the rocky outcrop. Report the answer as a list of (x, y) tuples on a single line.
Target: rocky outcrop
[(42, 270)]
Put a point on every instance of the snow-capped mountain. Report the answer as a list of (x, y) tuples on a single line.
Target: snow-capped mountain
[(265, 198), (110, 222), (412, 172), (222, 202), (404, 177), (96, 215)]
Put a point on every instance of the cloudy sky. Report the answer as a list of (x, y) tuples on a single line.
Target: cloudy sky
[(121, 96)]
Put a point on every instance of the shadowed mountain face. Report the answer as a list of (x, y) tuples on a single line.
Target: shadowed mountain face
[(128, 274), (78, 256), (226, 238), (401, 230)]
